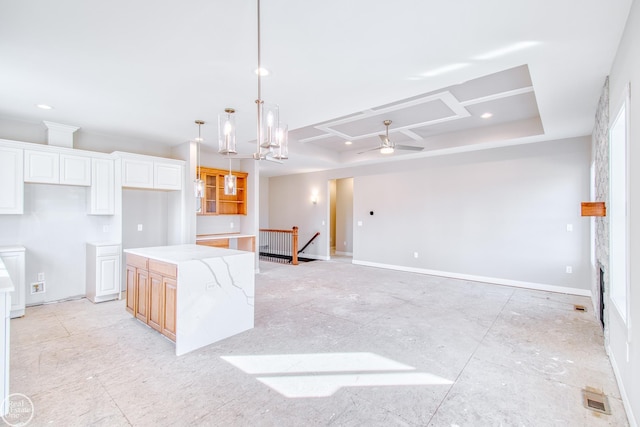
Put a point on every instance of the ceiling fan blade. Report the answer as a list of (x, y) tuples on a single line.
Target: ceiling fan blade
[(385, 140), (408, 147), (370, 149)]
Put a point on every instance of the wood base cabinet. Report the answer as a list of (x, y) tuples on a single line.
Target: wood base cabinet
[(152, 292)]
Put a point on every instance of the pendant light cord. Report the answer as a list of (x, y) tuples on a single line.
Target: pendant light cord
[(257, 154)]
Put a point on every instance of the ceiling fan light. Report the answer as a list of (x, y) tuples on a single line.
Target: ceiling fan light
[(386, 150)]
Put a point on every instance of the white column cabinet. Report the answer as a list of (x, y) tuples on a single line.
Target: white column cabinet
[(102, 200), (11, 177), (103, 271), (13, 258)]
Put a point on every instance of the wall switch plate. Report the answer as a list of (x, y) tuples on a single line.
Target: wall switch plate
[(569, 227), (40, 277), (139, 227), (568, 269), (105, 228), (415, 254), (359, 223), (231, 225)]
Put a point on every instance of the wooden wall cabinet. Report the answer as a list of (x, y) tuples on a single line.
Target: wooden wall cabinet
[(215, 202), (152, 293)]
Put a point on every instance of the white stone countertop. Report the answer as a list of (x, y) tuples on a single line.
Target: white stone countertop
[(6, 285), (182, 253)]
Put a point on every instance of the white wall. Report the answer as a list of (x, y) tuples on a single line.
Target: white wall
[(55, 228), (497, 214), (623, 340)]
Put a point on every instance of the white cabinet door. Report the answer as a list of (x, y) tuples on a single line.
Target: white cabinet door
[(75, 170), (167, 176), (103, 272), (13, 259), (108, 275), (11, 177), (42, 167), (102, 187), (137, 173)]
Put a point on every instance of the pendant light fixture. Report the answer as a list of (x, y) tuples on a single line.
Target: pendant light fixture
[(227, 132), (198, 184), (271, 135), (230, 181)]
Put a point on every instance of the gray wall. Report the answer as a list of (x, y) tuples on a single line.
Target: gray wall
[(498, 214), (624, 341)]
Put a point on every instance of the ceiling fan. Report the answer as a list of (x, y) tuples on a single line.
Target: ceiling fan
[(387, 146)]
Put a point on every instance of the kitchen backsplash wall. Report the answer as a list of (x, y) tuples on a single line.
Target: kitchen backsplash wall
[(54, 229)]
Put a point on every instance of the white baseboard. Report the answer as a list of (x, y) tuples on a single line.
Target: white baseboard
[(473, 278), (344, 253), (623, 393)]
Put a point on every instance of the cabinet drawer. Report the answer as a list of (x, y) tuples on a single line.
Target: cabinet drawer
[(138, 261), (107, 250), (164, 268)]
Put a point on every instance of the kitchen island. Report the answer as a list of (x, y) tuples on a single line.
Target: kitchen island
[(194, 295)]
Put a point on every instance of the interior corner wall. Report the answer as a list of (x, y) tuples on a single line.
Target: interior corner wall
[(624, 341)]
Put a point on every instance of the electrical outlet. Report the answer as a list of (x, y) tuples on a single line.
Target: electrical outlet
[(139, 227), (38, 288), (231, 225), (105, 228), (568, 269), (569, 227), (40, 277), (415, 254)]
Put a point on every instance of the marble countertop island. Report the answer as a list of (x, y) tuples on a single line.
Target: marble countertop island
[(214, 292)]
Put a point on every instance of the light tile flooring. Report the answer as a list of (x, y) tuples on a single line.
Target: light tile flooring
[(421, 350)]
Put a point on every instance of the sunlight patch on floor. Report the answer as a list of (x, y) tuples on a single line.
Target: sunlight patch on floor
[(346, 370)]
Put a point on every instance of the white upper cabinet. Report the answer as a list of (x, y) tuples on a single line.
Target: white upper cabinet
[(167, 176), (75, 170), (12, 194), (42, 167), (50, 167), (140, 171), (102, 200), (137, 173)]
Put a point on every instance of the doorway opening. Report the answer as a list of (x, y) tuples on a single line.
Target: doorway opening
[(341, 219)]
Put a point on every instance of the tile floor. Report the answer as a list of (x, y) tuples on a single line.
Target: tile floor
[(349, 346)]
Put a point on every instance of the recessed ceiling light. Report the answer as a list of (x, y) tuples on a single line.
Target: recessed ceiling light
[(44, 106), (348, 142), (261, 71), (487, 115)]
